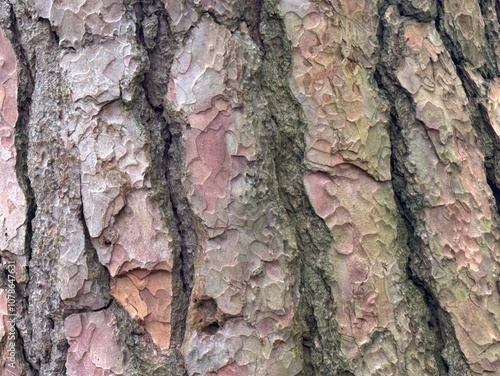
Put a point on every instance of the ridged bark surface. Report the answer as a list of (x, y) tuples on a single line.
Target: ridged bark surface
[(269, 187)]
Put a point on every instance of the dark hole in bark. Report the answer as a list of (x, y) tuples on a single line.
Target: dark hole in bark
[(211, 329), (207, 319)]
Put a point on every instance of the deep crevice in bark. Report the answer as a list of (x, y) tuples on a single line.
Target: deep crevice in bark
[(26, 85), (46, 343), (26, 79), (475, 106), (321, 344), (320, 339), (252, 15), (479, 120), (415, 252), (413, 243), (483, 129), (408, 9), (398, 182), (417, 267), (448, 354), (455, 51), (186, 222), (157, 39), (490, 36)]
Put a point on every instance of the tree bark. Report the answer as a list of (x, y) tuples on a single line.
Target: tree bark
[(269, 187)]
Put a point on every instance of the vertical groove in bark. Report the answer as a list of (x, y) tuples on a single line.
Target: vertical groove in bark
[(492, 34), (48, 346), (25, 88), (168, 154), (439, 321), (321, 344), (476, 82), (398, 185), (447, 351), (236, 297), (156, 39), (348, 182), (26, 63), (452, 360), (419, 123)]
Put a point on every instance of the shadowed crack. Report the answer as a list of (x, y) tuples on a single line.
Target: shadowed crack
[(26, 81), (448, 354), (155, 36), (321, 341)]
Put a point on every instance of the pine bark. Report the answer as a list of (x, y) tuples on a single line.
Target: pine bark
[(268, 187)]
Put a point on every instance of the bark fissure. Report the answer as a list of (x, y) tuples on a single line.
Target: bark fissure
[(382, 80), (26, 82), (47, 346), (476, 100), (438, 318), (451, 360), (156, 39), (25, 91), (187, 225), (487, 71), (416, 260), (321, 344), (491, 35)]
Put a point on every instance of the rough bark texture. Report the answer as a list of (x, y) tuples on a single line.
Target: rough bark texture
[(267, 187)]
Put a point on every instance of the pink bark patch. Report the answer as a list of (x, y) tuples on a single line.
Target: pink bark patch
[(211, 164), (93, 344), (350, 202)]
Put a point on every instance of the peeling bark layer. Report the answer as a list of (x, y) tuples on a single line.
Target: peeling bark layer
[(270, 187)]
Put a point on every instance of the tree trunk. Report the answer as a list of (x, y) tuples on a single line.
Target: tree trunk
[(261, 187)]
